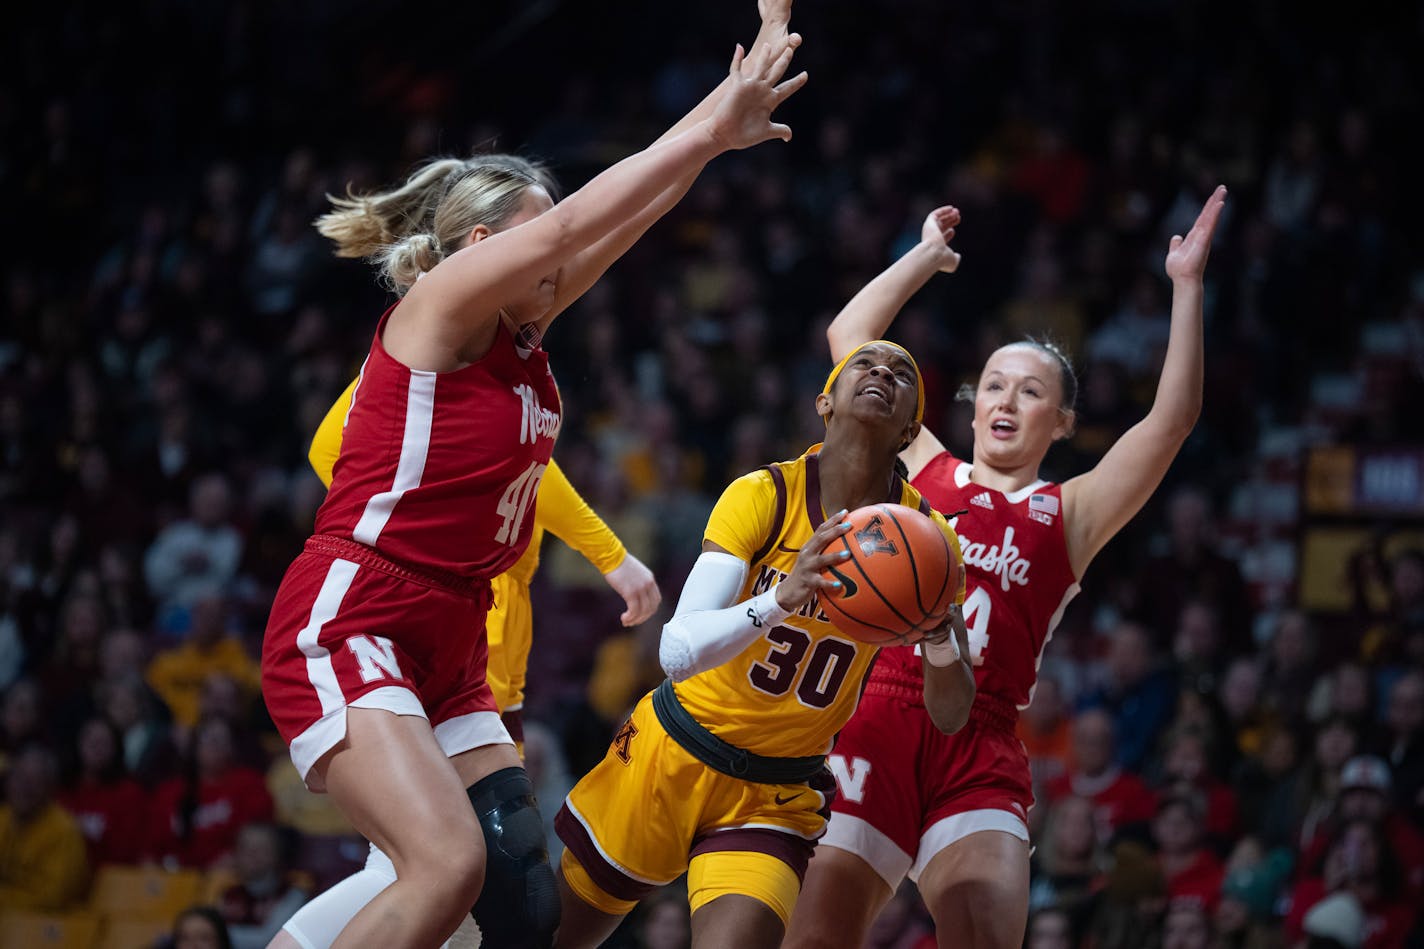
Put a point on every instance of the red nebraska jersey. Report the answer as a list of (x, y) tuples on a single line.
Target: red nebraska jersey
[(1019, 578), (441, 469)]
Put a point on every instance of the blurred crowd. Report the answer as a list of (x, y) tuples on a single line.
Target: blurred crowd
[(1216, 765)]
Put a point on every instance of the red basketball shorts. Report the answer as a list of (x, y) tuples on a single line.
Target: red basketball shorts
[(350, 629), (908, 791)]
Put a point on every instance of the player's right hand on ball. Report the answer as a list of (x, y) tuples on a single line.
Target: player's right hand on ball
[(807, 576)]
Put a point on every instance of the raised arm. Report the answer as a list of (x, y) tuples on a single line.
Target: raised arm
[(455, 308), (1098, 503), (871, 311), (589, 265)]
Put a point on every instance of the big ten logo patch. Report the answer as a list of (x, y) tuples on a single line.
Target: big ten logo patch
[(871, 539), (850, 776), (623, 740)]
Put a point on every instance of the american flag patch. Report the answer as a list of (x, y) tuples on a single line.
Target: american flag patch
[(1046, 503)]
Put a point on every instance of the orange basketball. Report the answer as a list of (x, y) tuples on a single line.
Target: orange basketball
[(900, 580)]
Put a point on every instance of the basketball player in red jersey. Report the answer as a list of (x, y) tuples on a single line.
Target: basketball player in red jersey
[(373, 661), (950, 811)]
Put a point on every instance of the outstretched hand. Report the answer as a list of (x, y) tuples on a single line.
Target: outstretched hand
[(1186, 256), (743, 117), (938, 231)]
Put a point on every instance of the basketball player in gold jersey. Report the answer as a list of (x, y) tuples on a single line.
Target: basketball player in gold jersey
[(720, 772)]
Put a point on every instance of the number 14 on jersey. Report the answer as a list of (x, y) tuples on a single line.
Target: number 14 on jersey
[(977, 606)]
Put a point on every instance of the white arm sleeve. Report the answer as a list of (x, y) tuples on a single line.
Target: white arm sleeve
[(709, 626)]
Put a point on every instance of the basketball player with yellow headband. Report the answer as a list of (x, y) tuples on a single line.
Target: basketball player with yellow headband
[(720, 772)]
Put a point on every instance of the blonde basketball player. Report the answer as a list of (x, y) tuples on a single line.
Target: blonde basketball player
[(510, 626), (374, 655), (561, 511), (949, 811)]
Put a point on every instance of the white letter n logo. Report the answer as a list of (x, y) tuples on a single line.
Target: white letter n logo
[(850, 776), (372, 652)]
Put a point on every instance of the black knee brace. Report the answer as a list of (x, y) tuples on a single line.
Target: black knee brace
[(519, 905)]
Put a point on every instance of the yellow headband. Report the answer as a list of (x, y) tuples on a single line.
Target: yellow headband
[(919, 379)]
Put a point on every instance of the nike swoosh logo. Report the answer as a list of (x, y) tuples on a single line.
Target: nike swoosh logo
[(780, 800), (787, 550), (847, 584)]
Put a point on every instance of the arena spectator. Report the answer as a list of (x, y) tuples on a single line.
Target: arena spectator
[(1189, 565), (1401, 741), (1366, 795), (1246, 718), (22, 718), (263, 894), (1119, 797), (43, 865), (1360, 862), (1246, 915), (1290, 666), (1045, 732), (1067, 866), (108, 805), (1138, 692), (1187, 766), (196, 817), (1191, 871), (1186, 925), (177, 674), (200, 927), (1050, 928), (145, 726), (196, 556)]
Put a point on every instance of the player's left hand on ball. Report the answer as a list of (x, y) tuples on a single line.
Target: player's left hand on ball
[(953, 626), (638, 587)]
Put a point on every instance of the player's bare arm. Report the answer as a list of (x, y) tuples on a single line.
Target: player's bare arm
[(949, 673), (1100, 502), (589, 265)]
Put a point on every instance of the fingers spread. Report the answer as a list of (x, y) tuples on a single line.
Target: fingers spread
[(783, 61), (784, 90), (737, 60)]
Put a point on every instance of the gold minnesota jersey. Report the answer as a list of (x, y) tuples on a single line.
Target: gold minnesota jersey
[(791, 690)]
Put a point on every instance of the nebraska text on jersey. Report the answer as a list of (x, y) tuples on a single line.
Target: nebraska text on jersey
[(536, 421), (1001, 559)]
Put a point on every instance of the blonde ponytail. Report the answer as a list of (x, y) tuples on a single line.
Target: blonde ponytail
[(404, 261), (361, 225), (407, 231)]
